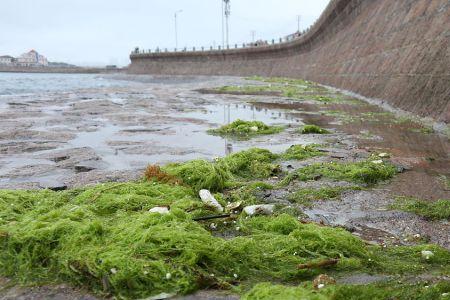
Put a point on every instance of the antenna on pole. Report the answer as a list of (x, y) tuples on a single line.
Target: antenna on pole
[(227, 13)]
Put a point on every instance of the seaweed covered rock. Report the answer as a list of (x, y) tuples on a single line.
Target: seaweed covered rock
[(243, 129), (252, 163), (313, 129), (368, 172), (300, 152)]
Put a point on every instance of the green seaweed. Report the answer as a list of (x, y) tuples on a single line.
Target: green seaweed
[(300, 152), (436, 210), (201, 174), (376, 291), (240, 128), (369, 172), (282, 80), (103, 238), (283, 87), (254, 163), (217, 175), (313, 129), (308, 196), (424, 130)]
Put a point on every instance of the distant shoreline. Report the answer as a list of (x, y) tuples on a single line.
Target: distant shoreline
[(75, 70)]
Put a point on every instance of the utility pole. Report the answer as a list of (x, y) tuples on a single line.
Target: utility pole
[(176, 28), (227, 16), (299, 17)]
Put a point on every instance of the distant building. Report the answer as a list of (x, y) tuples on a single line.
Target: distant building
[(6, 60), (32, 59)]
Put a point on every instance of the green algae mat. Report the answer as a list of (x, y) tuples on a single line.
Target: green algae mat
[(104, 238)]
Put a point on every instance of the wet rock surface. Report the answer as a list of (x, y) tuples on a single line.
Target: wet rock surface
[(50, 138)]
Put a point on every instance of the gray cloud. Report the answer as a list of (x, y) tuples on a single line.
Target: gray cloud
[(96, 32)]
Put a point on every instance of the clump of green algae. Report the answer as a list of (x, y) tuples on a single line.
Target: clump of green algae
[(300, 152), (245, 129), (313, 129), (369, 171), (296, 89), (437, 210), (307, 196), (104, 238), (379, 291)]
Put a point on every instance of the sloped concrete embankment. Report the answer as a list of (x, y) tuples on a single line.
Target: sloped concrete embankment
[(396, 51)]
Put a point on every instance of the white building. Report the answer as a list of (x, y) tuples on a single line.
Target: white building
[(32, 58), (6, 60)]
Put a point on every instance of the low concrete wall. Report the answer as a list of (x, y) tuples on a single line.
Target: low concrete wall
[(397, 51), (18, 69)]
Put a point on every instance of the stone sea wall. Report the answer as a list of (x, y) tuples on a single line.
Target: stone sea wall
[(397, 51)]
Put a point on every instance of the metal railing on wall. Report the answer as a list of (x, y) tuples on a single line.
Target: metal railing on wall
[(260, 43)]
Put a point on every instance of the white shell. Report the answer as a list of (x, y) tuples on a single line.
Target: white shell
[(160, 210), (209, 200), (266, 209)]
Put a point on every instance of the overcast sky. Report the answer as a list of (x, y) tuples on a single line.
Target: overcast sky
[(98, 32)]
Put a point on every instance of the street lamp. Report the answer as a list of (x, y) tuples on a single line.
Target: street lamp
[(176, 28), (223, 24), (227, 13)]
